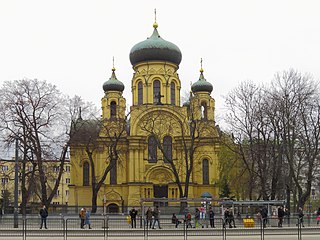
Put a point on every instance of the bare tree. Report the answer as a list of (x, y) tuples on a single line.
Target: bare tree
[(94, 135), (38, 115), (242, 113), (191, 133), (277, 133), (297, 99)]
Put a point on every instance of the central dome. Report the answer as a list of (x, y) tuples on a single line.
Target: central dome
[(155, 48)]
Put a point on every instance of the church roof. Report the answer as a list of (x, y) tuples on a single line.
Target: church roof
[(113, 84), (155, 48), (201, 85)]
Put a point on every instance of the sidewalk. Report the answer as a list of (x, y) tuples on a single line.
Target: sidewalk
[(270, 237)]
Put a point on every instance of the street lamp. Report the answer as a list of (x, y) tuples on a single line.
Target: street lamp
[(15, 224)]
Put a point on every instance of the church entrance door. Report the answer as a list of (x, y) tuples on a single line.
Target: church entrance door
[(160, 191)]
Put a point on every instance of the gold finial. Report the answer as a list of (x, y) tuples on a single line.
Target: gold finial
[(155, 25), (201, 69), (113, 69)]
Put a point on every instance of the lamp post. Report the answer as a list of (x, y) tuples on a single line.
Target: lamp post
[(15, 224), (207, 197)]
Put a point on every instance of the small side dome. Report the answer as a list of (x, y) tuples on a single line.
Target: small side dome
[(113, 84), (155, 48), (201, 85)]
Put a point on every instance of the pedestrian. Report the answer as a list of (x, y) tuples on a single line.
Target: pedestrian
[(149, 217), (280, 216), (175, 220), (231, 218), (300, 216), (318, 216), (43, 214), (133, 214), (202, 212), (211, 217), (188, 219), (264, 215), (227, 217), (82, 216), (156, 216), (87, 219), (196, 218)]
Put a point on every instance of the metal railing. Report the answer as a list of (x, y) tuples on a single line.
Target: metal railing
[(110, 227)]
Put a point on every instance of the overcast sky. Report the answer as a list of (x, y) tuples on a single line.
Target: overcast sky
[(70, 43)]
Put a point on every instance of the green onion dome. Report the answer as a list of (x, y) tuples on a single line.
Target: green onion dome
[(201, 85), (113, 84), (155, 48)]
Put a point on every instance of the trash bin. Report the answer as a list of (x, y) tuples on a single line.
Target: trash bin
[(248, 222)]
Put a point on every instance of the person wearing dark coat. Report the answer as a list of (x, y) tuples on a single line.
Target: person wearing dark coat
[(300, 216), (133, 214), (149, 215), (156, 216), (175, 220), (228, 216), (280, 216), (231, 218), (211, 217), (264, 215), (44, 214)]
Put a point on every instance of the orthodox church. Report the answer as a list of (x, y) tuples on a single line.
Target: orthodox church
[(164, 149)]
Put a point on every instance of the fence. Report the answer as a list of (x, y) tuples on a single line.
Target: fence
[(118, 227)]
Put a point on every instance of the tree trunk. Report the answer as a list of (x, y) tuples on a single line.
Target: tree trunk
[(94, 201)]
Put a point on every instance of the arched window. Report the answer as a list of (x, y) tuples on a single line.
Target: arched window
[(152, 149), (205, 171), (156, 92), (113, 109), (173, 93), (140, 93), (204, 114), (86, 174), (113, 174), (167, 148)]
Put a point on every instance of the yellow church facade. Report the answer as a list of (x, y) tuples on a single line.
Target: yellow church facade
[(163, 148)]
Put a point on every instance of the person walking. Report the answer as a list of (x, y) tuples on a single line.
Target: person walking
[(231, 218), (264, 215), (318, 216), (188, 219), (149, 217), (87, 219), (82, 216), (227, 218), (211, 217), (43, 214), (156, 216), (196, 218), (175, 220), (300, 216), (280, 216), (133, 214)]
